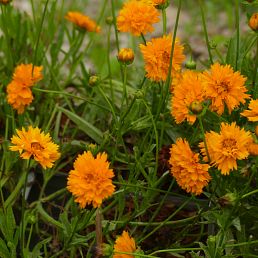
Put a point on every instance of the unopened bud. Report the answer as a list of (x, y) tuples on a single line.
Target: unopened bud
[(196, 107), (228, 199), (190, 65), (125, 56), (109, 20), (253, 22), (93, 80), (161, 4)]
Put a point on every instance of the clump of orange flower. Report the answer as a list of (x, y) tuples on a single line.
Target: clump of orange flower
[(19, 94), (252, 114), (91, 179), (224, 87), (253, 148), (35, 143), (188, 91), (226, 147), (253, 22), (124, 243), (82, 21), (156, 54), (189, 173), (137, 17)]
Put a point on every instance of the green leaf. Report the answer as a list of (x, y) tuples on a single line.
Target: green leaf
[(85, 126), (4, 252)]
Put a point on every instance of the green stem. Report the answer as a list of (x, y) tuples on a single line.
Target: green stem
[(109, 66), (124, 98), (205, 31), (250, 193), (143, 39), (29, 238), (255, 70), (204, 138), (164, 20), (237, 31), (99, 232)]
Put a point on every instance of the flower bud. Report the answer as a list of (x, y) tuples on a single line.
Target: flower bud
[(109, 20), (161, 4), (93, 80), (196, 107), (5, 1), (190, 65), (228, 199), (253, 22), (125, 56), (32, 219)]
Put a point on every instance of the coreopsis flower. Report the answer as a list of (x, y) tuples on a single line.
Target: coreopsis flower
[(252, 114), (226, 147), (19, 94), (224, 87), (82, 21), (187, 95), (137, 17), (91, 179), (125, 56), (34, 143), (156, 55), (124, 243), (253, 148), (253, 22), (27, 75), (189, 173)]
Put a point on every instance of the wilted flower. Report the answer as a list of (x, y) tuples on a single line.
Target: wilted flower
[(156, 54), (35, 143), (91, 179), (82, 21), (137, 17), (189, 173)]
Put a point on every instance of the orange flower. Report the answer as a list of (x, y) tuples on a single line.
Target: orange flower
[(253, 148), (19, 94), (190, 175), (25, 75), (137, 17), (156, 54), (124, 243), (90, 180), (252, 114), (224, 86), (226, 147), (5, 1), (253, 22), (82, 21), (37, 144), (187, 91)]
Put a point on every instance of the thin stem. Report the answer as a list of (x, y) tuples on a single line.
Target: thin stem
[(205, 31), (250, 193), (237, 31), (29, 238), (109, 66), (143, 39), (124, 98), (255, 70), (204, 139), (164, 20), (99, 232)]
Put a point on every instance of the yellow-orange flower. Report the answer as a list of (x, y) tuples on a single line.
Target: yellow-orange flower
[(226, 147), (137, 17), (253, 22), (82, 21), (25, 75), (125, 56), (224, 86), (187, 91), (5, 1), (156, 54), (35, 143), (252, 114), (253, 148), (91, 179), (19, 94), (124, 243), (190, 175)]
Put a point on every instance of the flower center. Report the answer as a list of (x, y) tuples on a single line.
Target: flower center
[(35, 146), (223, 86), (165, 57), (229, 143)]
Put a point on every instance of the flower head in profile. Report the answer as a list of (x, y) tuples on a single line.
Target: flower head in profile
[(137, 17), (82, 21), (156, 55), (226, 147), (224, 87), (19, 94), (187, 92), (190, 174), (34, 143), (252, 114), (253, 22), (91, 179), (124, 243)]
